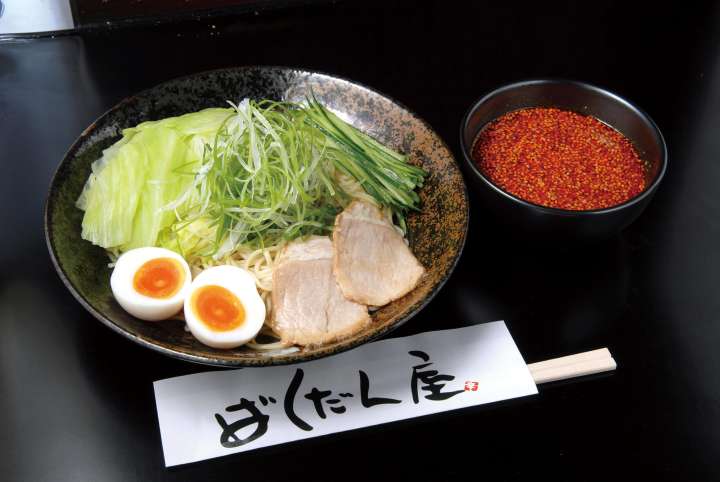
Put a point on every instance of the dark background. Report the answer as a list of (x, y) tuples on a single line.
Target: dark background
[(93, 12), (76, 400)]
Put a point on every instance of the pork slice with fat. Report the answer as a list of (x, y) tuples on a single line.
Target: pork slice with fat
[(372, 263), (308, 307)]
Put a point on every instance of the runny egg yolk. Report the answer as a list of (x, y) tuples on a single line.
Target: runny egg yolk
[(218, 308), (159, 278)]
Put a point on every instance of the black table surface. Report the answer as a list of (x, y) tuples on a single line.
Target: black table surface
[(76, 400)]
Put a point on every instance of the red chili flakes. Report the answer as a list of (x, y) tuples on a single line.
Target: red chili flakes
[(559, 159)]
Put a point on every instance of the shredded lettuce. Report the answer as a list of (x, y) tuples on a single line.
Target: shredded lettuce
[(112, 194), (129, 186)]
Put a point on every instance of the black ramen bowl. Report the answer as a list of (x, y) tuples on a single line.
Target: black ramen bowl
[(436, 233), (525, 217)]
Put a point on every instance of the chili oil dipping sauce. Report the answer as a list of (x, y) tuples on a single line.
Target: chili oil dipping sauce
[(560, 159)]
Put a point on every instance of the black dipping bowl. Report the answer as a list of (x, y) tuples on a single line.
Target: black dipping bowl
[(582, 98)]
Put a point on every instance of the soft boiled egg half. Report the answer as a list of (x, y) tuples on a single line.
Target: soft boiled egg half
[(223, 308), (151, 283)]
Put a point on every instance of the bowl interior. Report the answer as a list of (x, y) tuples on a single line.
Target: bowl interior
[(437, 233), (577, 97)]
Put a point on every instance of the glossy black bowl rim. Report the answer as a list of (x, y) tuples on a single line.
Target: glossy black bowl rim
[(269, 361), (647, 192)]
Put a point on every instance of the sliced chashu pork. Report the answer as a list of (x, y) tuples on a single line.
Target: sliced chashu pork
[(307, 305), (372, 263)]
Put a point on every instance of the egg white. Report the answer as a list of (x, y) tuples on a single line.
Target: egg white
[(241, 284), (139, 305)]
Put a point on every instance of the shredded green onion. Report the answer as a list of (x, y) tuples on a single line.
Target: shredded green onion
[(271, 173)]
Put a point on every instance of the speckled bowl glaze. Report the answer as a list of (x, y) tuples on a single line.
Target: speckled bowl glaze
[(437, 233)]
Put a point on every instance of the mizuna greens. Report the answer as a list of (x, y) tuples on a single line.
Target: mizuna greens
[(383, 173), (205, 183)]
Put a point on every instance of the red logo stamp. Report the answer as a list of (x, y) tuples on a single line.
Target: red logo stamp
[(471, 386)]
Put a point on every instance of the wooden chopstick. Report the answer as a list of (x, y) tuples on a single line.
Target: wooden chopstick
[(578, 365), (570, 359)]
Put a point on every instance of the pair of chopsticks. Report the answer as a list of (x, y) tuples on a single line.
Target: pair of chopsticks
[(578, 365)]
